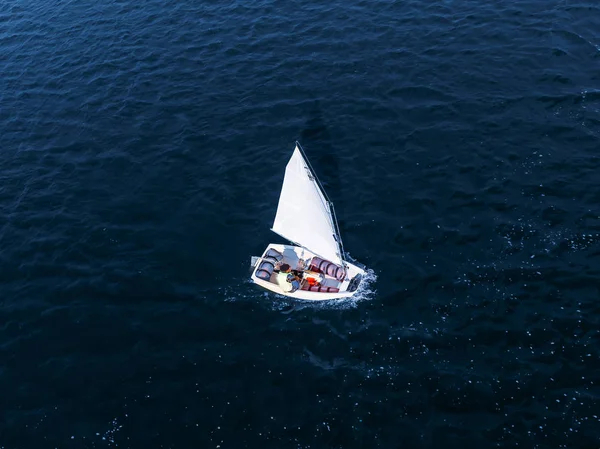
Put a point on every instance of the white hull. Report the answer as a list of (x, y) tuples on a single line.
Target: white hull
[(291, 255)]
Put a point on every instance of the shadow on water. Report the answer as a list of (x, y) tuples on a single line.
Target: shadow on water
[(318, 146)]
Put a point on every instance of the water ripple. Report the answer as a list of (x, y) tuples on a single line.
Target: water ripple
[(142, 151)]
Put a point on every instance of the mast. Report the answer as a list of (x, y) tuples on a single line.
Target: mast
[(337, 235)]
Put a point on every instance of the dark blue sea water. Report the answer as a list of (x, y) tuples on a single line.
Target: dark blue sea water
[(142, 148)]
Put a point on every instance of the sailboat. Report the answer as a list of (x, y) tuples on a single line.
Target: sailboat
[(313, 266)]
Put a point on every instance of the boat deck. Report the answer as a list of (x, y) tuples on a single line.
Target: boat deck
[(264, 273)]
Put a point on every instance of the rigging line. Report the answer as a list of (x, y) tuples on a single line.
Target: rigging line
[(329, 203)]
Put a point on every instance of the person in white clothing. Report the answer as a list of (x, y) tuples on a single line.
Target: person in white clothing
[(287, 280)]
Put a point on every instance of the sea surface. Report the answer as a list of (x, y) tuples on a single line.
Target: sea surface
[(142, 149)]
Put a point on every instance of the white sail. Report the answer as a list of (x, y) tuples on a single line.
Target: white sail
[(303, 214)]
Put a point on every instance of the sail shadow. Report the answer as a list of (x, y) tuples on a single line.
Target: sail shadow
[(317, 143)]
